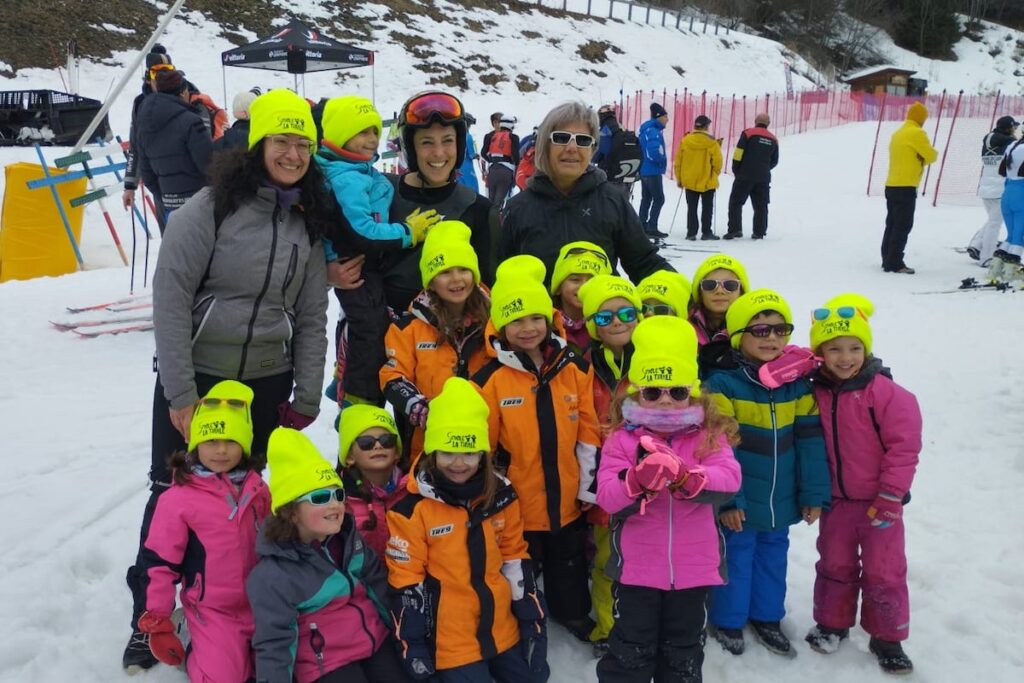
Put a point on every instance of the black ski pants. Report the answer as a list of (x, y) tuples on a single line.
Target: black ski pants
[(366, 323), (707, 201), (561, 557), (500, 180), (383, 666), (269, 392), (658, 634), (900, 203), (758, 192), (652, 198)]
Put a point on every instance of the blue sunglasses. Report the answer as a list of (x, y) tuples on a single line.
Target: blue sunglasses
[(322, 496), (845, 312), (626, 314)]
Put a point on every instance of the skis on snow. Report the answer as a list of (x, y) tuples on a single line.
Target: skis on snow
[(124, 301), (969, 284), (114, 328), (111, 320)]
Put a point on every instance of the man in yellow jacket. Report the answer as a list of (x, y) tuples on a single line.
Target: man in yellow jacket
[(698, 164), (909, 153)]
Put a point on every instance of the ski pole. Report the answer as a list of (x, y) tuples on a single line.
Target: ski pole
[(145, 221), (131, 286), (676, 212)]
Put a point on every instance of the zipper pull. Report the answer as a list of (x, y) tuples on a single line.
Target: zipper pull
[(317, 642)]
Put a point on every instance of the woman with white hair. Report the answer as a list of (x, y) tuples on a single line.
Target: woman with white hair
[(569, 200)]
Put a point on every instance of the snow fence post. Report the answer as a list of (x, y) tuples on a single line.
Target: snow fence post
[(935, 137), (952, 125), (874, 149)]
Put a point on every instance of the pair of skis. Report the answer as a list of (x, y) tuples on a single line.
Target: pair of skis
[(91, 328), (971, 285)]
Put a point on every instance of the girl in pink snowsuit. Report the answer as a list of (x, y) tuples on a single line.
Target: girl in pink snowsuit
[(663, 473), (203, 535), (872, 430)]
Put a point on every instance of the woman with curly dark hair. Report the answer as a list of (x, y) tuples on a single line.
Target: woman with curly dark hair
[(240, 292)]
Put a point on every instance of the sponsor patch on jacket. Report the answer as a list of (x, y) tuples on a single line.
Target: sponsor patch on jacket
[(511, 402), (396, 554), (442, 530), (398, 542), (426, 345)]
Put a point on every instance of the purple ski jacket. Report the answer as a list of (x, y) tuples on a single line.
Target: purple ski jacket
[(674, 543), (203, 534), (872, 430)]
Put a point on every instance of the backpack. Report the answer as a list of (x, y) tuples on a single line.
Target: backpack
[(622, 163), (500, 145), (526, 168)]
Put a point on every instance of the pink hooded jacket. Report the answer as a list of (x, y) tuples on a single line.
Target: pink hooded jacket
[(374, 531), (675, 543), (203, 534), (872, 430)]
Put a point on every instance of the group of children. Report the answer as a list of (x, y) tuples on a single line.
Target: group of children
[(642, 449)]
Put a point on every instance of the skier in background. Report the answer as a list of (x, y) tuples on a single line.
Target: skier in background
[(990, 189)]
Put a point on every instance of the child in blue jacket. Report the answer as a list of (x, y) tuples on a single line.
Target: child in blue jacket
[(785, 471), (352, 129)]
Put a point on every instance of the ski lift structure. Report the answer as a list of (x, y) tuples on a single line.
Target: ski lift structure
[(297, 49)]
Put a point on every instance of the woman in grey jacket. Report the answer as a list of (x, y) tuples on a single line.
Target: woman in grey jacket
[(240, 293)]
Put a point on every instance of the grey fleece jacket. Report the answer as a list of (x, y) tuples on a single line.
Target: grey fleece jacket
[(261, 311)]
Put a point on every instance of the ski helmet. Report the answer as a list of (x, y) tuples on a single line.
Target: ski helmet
[(424, 109)]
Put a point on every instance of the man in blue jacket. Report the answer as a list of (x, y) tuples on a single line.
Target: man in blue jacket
[(652, 167)]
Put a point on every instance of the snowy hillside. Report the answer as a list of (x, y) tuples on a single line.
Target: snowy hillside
[(76, 421), (75, 414)]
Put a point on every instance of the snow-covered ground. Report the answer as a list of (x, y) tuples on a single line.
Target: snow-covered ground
[(75, 414), (76, 420)]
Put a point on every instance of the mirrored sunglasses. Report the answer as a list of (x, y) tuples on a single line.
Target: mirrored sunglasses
[(709, 285), (562, 137), (626, 314), (652, 394), (281, 144), (845, 312), (368, 442), (322, 496), (448, 458), (420, 111), (764, 330), (659, 309)]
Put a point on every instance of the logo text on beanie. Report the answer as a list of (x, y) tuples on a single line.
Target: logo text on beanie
[(215, 427), (365, 108), (326, 473), (291, 122), (654, 289), (620, 287), (661, 373), (435, 263), (765, 298), (835, 327), (385, 420), (589, 265), (460, 440), (512, 307)]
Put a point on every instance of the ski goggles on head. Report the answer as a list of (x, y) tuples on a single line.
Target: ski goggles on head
[(763, 330), (709, 285), (563, 137), (652, 394), (845, 312), (659, 309), (580, 251), (422, 109), (322, 496), (156, 68), (367, 442), (626, 314)]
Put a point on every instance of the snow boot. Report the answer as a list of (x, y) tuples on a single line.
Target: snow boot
[(973, 253), (1002, 266), (137, 655), (731, 639), (733, 235), (771, 636), (709, 236), (580, 628), (826, 640), (891, 657)]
